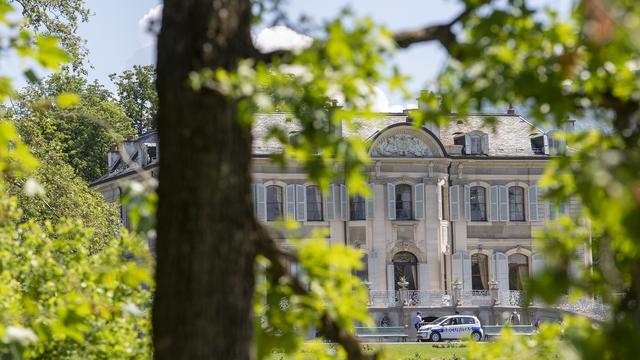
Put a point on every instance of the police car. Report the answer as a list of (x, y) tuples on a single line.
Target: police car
[(451, 328)]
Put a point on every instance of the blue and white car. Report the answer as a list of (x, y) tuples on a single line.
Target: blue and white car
[(452, 327)]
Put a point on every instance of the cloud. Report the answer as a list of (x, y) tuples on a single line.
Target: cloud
[(281, 38), (149, 25)]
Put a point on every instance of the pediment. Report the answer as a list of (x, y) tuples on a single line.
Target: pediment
[(405, 142)]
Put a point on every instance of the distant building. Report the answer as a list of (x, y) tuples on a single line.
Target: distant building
[(458, 204)]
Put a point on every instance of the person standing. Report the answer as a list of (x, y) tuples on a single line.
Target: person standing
[(418, 321)]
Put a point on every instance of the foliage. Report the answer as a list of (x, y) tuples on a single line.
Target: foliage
[(137, 96), (80, 133), (57, 19)]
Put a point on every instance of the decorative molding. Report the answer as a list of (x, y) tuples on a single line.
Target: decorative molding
[(401, 145)]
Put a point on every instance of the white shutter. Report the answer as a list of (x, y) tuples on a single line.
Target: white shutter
[(439, 196), (501, 270), (466, 271), (494, 213), (301, 203), (423, 277), (456, 267), (467, 144), (344, 202), (418, 201), (504, 203), (467, 202), (331, 203), (390, 278), (485, 144), (537, 263), (546, 144), (533, 203), (291, 201), (370, 201), (261, 202), (454, 211), (391, 201)]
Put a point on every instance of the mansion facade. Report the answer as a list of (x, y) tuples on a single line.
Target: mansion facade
[(455, 207)]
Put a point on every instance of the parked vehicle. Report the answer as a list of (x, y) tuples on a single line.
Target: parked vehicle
[(452, 327)]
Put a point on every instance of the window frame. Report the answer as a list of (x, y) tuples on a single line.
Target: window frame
[(400, 210), (357, 200), (513, 204), (309, 203), (479, 205), (267, 202)]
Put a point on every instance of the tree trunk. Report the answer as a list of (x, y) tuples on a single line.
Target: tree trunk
[(205, 257)]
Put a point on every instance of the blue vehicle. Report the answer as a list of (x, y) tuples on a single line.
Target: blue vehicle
[(452, 327)]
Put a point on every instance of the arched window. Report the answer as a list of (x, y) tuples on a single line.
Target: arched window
[(357, 208), (274, 202), (479, 272), (314, 203), (404, 210), (516, 203), (478, 202), (405, 265), (518, 271)]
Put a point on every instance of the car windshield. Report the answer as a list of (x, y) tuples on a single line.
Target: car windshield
[(438, 320)]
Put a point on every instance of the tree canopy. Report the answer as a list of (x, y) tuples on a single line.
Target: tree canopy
[(136, 93)]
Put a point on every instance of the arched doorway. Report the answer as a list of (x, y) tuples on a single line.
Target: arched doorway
[(405, 264), (518, 271)]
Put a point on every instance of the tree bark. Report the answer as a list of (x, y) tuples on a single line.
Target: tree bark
[(205, 254)]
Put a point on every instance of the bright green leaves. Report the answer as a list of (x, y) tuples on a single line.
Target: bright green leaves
[(326, 271), (15, 159)]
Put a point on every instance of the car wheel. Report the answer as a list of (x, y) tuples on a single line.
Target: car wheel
[(476, 336), (435, 337)]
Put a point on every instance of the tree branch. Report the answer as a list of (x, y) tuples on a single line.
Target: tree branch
[(268, 248)]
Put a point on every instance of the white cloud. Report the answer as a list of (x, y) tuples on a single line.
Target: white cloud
[(281, 38), (149, 25)]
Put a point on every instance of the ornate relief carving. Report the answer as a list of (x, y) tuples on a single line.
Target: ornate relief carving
[(402, 145)]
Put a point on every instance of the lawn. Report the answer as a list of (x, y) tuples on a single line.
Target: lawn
[(410, 351)]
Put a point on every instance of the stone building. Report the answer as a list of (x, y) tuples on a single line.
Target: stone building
[(451, 221)]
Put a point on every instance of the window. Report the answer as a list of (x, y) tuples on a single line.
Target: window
[(469, 320), (479, 272), (152, 152), (478, 203), (405, 265), (516, 203), (357, 208), (403, 202), (274, 202), (537, 145), (475, 142), (518, 271), (458, 140), (363, 274), (314, 203)]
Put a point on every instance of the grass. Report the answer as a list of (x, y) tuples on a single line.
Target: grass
[(400, 351)]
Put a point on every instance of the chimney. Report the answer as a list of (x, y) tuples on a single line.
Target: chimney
[(510, 110)]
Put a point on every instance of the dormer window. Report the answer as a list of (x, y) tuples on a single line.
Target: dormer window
[(474, 143), (152, 151), (539, 145)]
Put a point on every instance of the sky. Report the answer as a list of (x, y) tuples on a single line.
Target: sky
[(117, 36)]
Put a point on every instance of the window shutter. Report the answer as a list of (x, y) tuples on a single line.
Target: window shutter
[(501, 270), (467, 202), (454, 211), (485, 143), (533, 203), (504, 203), (291, 201), (467, 144), (370, 201), (439, 195), (331, 203), (423, 276), (546, 144), (301, 203), (390, 278), (537, 263), (466, 271), (391, 201), (456, 267), (344, 202), (494, 213), (261, 202), (253, 198), (418, 201)]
